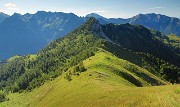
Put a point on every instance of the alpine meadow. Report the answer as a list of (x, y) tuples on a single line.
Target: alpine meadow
[(78, 58)]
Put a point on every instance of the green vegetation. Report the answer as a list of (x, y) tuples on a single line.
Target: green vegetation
[(2, 97), (99, 85), (75, 70), (172, 40)]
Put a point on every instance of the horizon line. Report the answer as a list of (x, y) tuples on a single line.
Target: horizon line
[(86, 14)]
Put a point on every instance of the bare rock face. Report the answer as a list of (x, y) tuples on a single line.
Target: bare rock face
[(97, 30)]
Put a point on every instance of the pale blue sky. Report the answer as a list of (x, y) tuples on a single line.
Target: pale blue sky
[(107, 8)]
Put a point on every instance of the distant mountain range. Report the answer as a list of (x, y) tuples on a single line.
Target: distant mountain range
[(26, 34), (158, 22)]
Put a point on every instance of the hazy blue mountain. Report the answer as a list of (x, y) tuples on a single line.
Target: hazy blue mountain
[(3, 16), (25, 34), (17, 38), (158, 22)]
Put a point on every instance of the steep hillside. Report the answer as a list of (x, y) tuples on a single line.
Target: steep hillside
[(140, 39)]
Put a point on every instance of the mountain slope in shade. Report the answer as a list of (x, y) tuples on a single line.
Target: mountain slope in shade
[(140, 39), (3, 16)]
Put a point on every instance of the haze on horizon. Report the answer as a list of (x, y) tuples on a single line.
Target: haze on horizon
[(106, 8)]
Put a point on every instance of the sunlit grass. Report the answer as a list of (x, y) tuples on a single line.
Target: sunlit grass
[(99, 86)]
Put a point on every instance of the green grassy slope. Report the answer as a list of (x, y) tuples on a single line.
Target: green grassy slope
[(102, 84)]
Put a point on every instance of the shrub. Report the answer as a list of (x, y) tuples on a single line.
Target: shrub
[(2, 97)]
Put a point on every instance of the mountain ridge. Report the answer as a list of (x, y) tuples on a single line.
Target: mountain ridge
[(151, 20), (3, 16), (35, 31)]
